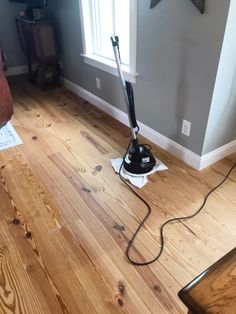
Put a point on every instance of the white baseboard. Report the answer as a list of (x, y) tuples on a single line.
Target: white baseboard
[(217, 154), (22, 69), (189, 157)]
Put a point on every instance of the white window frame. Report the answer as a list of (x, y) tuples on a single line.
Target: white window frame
[(105, 64)]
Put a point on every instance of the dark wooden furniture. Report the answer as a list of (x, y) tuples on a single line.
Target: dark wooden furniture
[(213, 291), (38, 42), (6, 107)]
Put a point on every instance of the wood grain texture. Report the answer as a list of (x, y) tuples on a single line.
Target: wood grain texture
[(214, 290), (67, 253)]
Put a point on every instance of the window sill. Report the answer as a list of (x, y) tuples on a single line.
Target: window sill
[(109, 66)]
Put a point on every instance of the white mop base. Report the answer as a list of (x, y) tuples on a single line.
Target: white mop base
[(138, 180)]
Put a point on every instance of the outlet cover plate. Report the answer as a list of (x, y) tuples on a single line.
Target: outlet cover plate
[(98, 83), (186, 127)]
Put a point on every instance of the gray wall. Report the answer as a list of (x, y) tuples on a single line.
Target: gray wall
[(8, 33), (221, 128), (178, 52)]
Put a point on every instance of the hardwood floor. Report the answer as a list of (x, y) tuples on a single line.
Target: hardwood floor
[(76, 216)]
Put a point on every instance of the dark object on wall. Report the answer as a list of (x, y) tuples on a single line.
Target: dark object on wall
[(154, 3), (38, 42), (200, 4)]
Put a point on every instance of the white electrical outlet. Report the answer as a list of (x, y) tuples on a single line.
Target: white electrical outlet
[(98, 83), (186, 127)]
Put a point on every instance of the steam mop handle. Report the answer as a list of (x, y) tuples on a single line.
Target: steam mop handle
[(115, 44), (116, 49)]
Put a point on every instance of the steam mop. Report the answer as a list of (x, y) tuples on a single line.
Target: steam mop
[(139, 158)]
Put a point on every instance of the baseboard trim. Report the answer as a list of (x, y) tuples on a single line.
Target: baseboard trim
[(217, 154), (22, 69), (189, 157)]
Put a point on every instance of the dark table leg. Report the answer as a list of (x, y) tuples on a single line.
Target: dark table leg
[(31, 79)]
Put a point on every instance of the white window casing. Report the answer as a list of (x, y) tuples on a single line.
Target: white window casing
[(97, 20)]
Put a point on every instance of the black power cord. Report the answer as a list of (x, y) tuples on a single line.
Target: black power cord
[(177, 219)]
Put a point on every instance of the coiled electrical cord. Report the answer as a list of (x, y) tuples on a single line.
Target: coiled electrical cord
[(177, 219)]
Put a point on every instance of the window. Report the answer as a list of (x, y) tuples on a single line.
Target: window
[(102, 19)]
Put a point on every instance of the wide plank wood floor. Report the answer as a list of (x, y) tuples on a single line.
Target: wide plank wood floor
[(76, 216)]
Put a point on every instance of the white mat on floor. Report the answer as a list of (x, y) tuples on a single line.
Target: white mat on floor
[(138, 180), (8, 137)]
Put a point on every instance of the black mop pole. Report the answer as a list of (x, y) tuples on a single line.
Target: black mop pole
[(127, 91)]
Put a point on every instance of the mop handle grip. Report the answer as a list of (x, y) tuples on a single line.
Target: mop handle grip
[(115, 41)]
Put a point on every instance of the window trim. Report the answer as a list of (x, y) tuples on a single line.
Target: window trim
[(108, 65)]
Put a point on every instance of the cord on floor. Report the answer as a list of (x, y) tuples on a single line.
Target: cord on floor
[(149, 210)]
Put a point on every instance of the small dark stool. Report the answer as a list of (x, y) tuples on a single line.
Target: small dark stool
[(214, 290)]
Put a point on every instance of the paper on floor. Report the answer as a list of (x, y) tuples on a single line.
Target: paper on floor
[(8, 137), (138, 180)]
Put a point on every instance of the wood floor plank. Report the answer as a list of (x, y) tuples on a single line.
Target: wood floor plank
[(76, 216), (45, 262), (17, 294)]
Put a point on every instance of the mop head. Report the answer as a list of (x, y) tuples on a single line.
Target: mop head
[(138, 180)]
